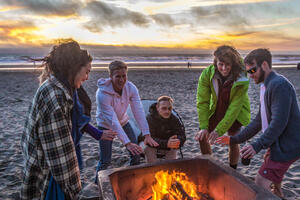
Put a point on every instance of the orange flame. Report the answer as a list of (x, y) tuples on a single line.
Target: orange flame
[(173, 186)]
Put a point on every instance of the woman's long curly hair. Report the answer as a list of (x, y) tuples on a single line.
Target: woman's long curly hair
[(229, 55), (65, 60)]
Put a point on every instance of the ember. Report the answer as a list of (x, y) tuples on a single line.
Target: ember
[(175, 186)]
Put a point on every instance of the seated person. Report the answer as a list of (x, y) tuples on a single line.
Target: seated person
[(165, 128)]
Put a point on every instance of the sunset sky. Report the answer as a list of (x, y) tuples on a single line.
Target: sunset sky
[(172, 24)]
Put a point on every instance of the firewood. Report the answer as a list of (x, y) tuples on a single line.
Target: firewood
[(179, 188)]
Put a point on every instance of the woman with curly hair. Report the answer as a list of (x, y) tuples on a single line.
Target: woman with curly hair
[(222, 100), (52, 128)]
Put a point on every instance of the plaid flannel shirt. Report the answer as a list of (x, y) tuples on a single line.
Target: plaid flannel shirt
[(47, 143)]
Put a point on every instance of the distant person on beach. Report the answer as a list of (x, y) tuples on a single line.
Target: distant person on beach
[(298, 66), (49, 142), (222, 100), (278, 119), (166, 129), (113, 97), (189, 65)]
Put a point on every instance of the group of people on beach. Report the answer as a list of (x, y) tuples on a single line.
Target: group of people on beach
[(60, 114)]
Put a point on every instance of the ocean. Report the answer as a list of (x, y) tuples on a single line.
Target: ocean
[(201, 60)]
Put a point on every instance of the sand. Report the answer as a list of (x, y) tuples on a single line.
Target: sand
[(18, 89)]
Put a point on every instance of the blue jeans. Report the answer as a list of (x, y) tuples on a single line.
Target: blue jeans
[(106, 149)]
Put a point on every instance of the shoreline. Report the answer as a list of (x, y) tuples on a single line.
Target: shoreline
[(135, 67)]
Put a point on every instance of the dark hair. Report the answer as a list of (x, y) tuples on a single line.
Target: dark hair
[(85, 101), (229, 55), (116, 65), (64, 61), (259, 55)]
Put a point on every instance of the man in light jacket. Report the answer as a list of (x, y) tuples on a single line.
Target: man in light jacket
[(113, 97)]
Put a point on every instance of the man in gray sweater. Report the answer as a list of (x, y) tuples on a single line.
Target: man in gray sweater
[(278, 119)]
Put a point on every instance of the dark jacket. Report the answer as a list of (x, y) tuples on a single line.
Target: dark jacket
[(162, 129), (283, 132)]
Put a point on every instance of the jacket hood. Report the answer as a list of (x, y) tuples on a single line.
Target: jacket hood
[(105, 85), (152, 110)]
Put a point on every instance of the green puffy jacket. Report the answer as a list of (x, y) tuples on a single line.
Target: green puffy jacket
[(239, 105)]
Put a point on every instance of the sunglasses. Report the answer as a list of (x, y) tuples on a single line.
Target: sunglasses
[(252, 70)]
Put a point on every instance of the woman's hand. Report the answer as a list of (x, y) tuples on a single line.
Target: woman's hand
[(201, 135), (212, 137), (108, 135), (223, 140)]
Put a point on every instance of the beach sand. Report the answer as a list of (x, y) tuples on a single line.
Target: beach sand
[(18, 89)]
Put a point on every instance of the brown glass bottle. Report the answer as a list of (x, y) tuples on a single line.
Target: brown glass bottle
[(246, 161)]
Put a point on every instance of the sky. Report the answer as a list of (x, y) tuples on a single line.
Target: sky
[(172, 25)]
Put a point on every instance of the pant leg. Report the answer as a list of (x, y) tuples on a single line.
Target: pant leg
[(105, 148), (134, 159), (205, 147), (171, 154), (150, 154)]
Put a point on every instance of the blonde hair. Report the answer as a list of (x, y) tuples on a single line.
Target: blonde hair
[(164, 98), (116, 65)]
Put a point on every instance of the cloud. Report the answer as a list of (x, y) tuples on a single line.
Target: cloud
[(18, 32), (103, 14), (47, 7), (164, 19), (244, 17), (156, 1), (229, 17), (225, 17), (242, 34), (252, 40)]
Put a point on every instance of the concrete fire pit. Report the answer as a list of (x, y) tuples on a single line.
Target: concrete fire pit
[(210, 176)]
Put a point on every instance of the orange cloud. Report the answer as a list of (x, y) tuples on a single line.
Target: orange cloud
[(9, 8), (19, 32), (242, 40)]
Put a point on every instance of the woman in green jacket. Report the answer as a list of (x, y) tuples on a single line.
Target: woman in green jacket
[(222, 100)]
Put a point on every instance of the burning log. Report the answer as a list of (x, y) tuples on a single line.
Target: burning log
[(175, 186), (178, 187)]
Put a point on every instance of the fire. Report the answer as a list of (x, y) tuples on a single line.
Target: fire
[(173, 186)]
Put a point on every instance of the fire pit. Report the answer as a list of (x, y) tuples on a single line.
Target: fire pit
[(195, 178)]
